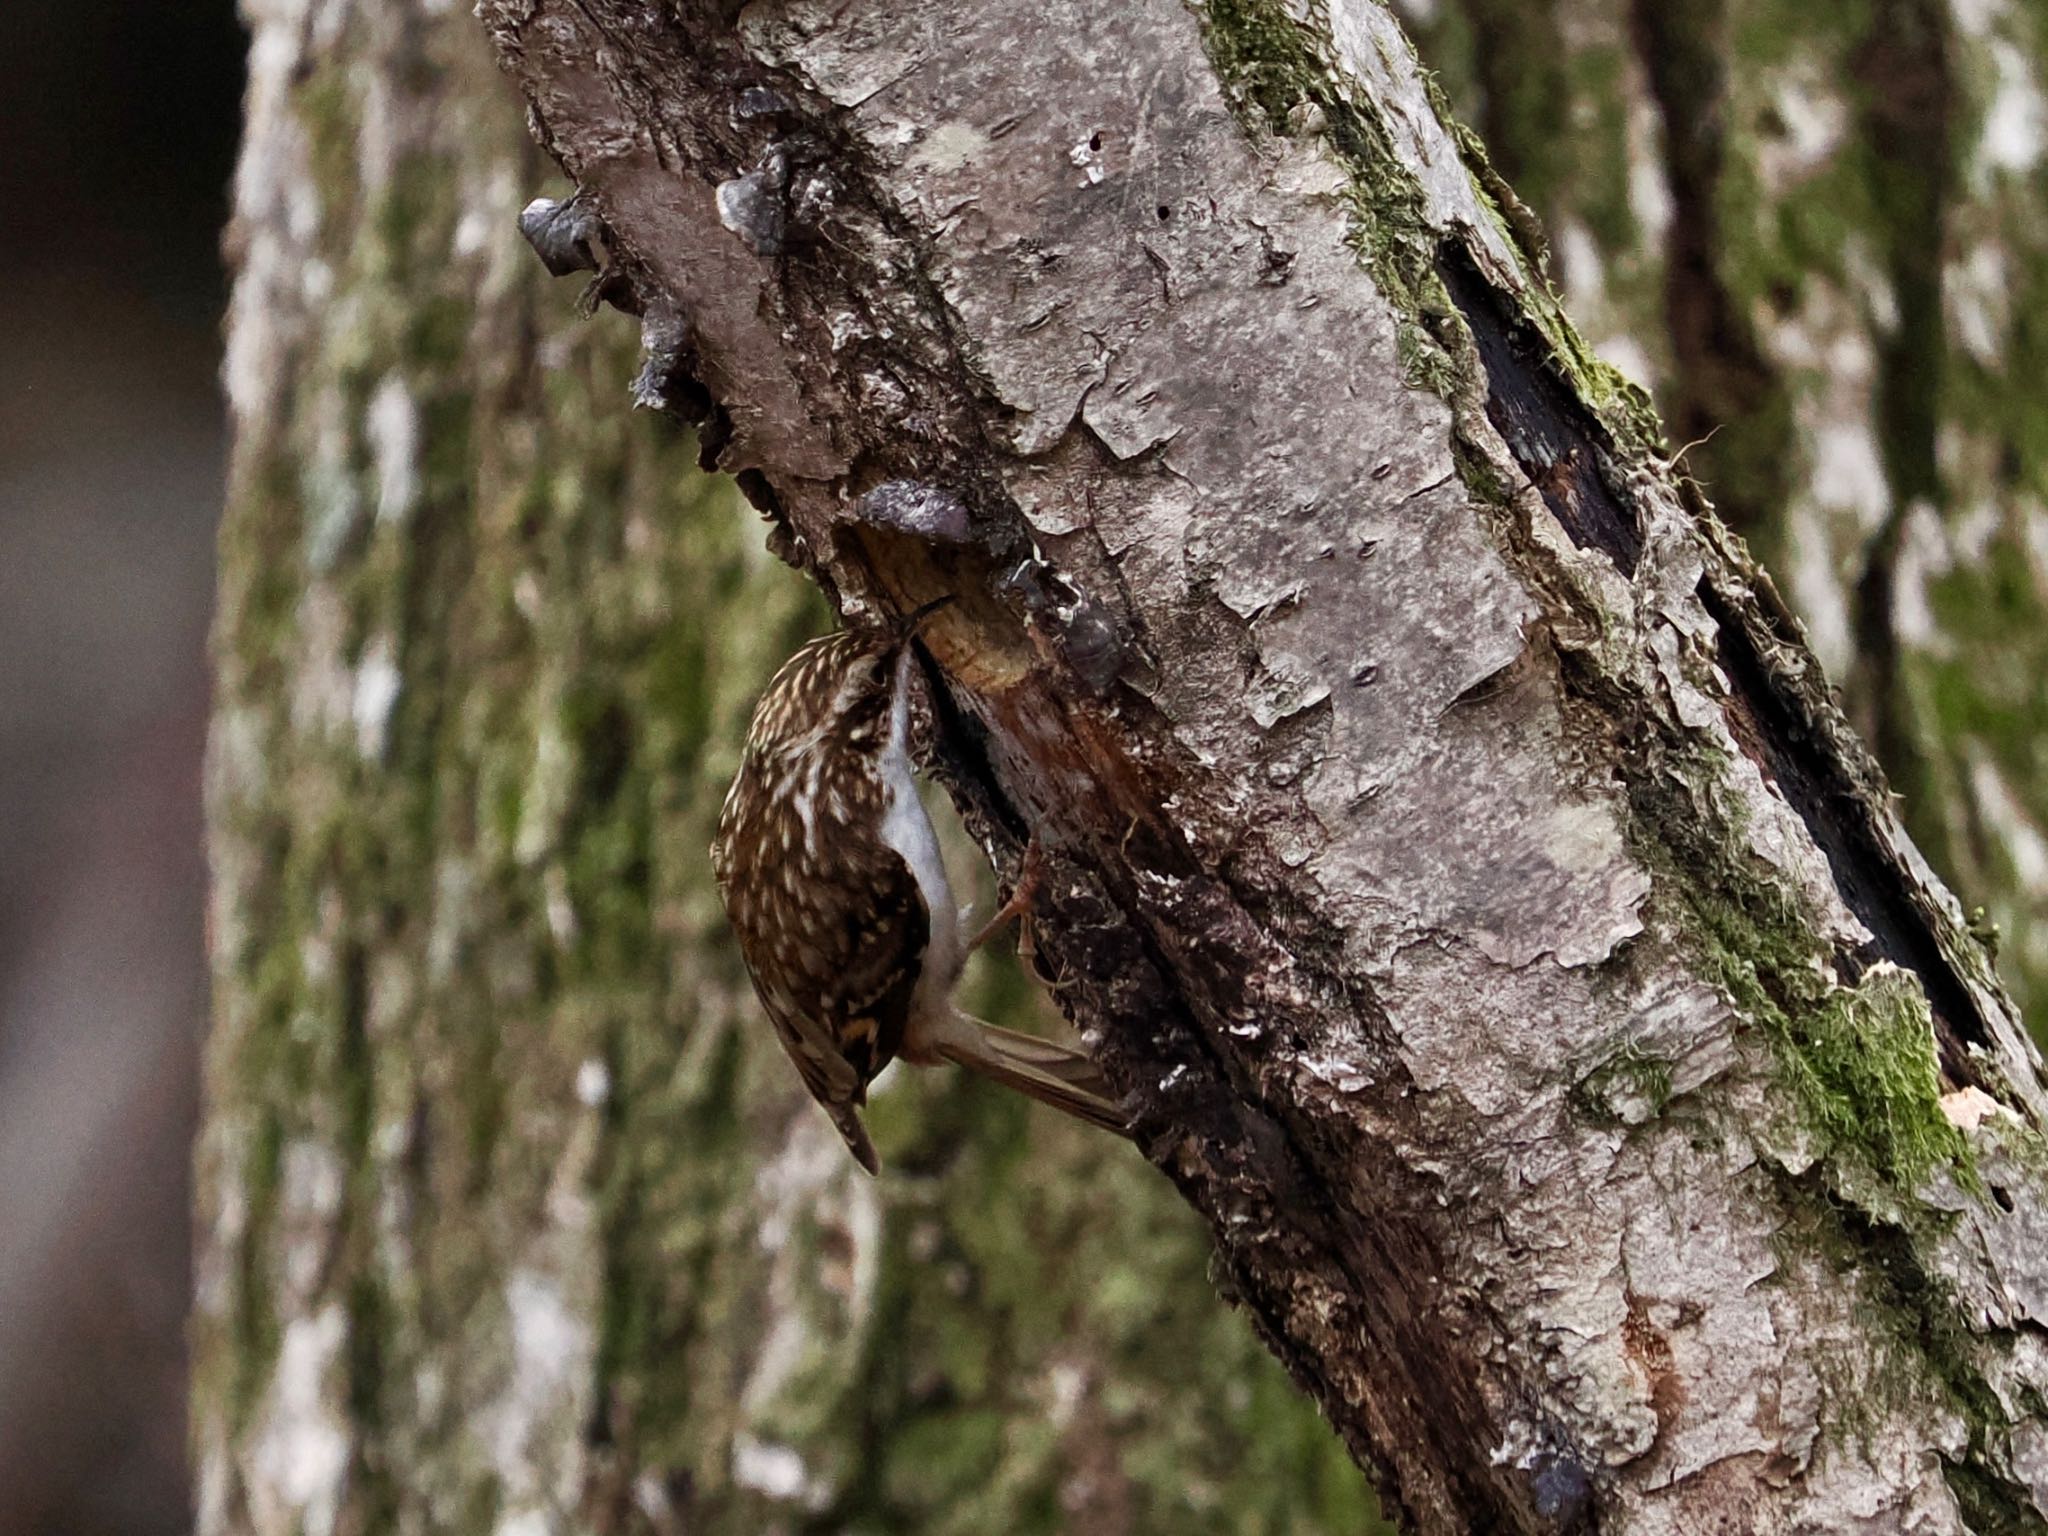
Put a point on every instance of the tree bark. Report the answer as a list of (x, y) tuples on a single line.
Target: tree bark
[(1458, 857), (1853, 197), (1596, 1105), (513, 1218)]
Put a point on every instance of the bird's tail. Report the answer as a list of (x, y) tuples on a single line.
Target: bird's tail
[(847, 1120), (1049, 1072)]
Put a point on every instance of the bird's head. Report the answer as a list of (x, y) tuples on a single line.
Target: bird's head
[(837, 691)]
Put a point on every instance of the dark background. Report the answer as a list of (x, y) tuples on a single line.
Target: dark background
[(117, 136)]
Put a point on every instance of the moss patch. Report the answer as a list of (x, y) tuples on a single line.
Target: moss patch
[(1856, 1058), (1284, 80)]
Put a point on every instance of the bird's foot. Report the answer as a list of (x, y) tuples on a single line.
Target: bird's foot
[(1030, 876)]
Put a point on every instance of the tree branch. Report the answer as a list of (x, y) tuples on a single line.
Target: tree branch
[(1454, 851)]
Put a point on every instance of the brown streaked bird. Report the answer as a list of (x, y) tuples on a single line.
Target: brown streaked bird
[(832, 880)]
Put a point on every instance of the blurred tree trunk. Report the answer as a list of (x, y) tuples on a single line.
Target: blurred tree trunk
[(1821, 233), (512, 1216)]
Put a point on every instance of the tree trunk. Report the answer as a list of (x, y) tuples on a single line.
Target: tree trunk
[(1816, 231), (513, 1217), (1456, 855), (1459, 859)]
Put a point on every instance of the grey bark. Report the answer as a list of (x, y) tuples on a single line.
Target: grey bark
[(1458, 857), (512, 1217), (1815, 232)]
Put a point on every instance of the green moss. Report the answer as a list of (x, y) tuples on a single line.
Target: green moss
[(412, 222), (254, 1333), (1863, 1132), (1838, 239), (1424, 362), (1992, 1505), (1925, 1357), (1281, 74), (1862, 1063), (1265, 56), (940, 1461), (1630, 1087), (1793, 235), (1276, 68), (325, 105), (1857, 1061)]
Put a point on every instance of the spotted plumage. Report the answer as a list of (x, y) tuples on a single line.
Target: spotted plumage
[(832, 880)]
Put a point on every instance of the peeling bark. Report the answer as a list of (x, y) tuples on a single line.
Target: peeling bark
[(1457, 857)]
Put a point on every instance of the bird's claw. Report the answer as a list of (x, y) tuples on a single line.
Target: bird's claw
[(1023, 894)]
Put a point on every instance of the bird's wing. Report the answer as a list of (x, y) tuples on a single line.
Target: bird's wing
[(833, 928)]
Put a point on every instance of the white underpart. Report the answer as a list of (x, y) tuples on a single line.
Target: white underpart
[(907, 829)]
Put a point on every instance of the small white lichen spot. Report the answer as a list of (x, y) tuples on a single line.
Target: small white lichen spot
[(472, 232), (277, 202), (2033, 519), (329, 485), (1976, 17), (810, 1184), (652, 1499), (321, 21), (1848, 470), (1088, 156), (1972, 529), (1816, 589), (1649, 189), (378, 135), (1923, 556), (310, 1193), (316, 281), (561, 910), (1814, 123), (549, 786), (210, 1499), (299, 1453), (947, 148), (1069, 1387), (2016, 127), (776, 1470), (454, 912), (1581, 265), (535, 1434), (1977, 294), (376, 693), (391, 423)]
